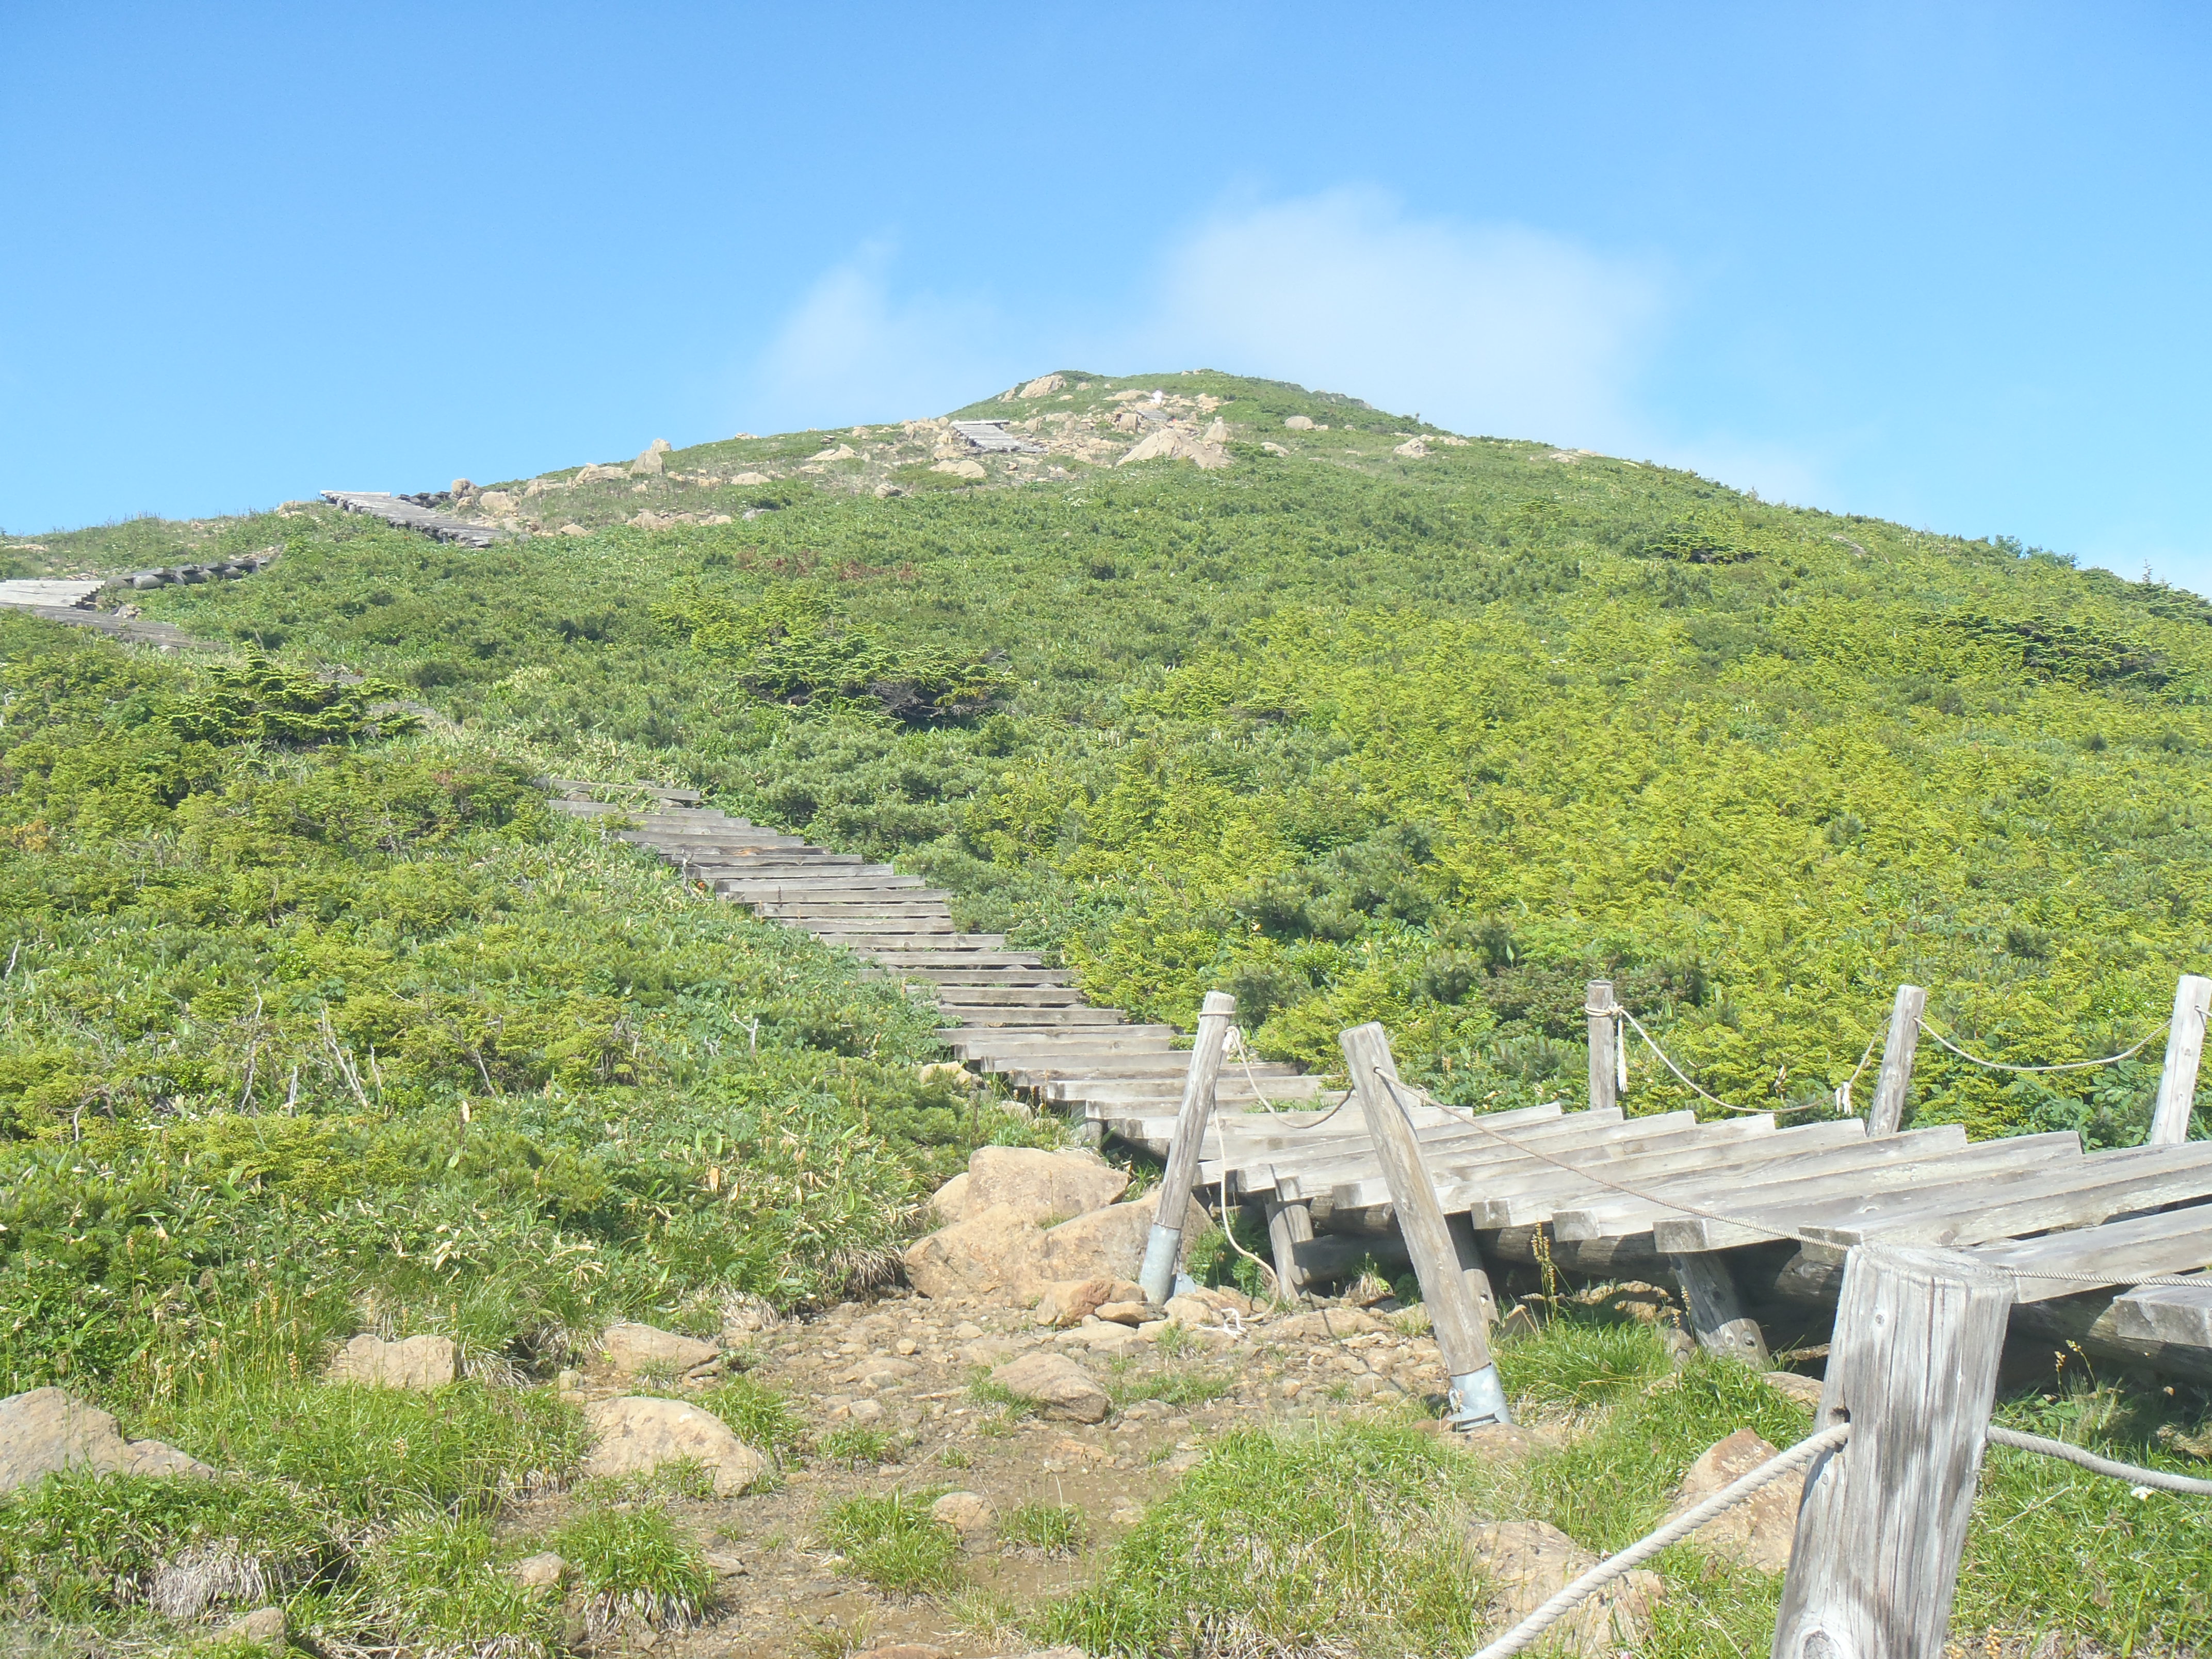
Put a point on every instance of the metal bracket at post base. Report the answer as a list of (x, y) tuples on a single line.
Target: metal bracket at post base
[(1476, 1400), (1157, 1277)]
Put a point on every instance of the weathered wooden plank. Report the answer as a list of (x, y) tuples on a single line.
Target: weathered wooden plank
[(1488, 1160), (1896, 1078), (2114, 1253), (1289, 1226), (2019, 1203), (2180, 1314), (1438, 1260), (1615, 1215), (1913, 1369), (1778, 1208), (1164, 1245), (2185, 1050), (1717, 1149)]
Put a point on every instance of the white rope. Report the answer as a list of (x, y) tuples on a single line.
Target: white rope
[(2134, 1473), (1525, 1633), (1843, 1093), (2067, 1066), (1235, 1043), (1651, 1043)]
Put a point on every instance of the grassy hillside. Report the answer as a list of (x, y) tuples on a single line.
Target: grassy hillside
[(1359, 734)]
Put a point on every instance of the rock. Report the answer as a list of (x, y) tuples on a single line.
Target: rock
[(1218, 432), (965, 1511), (636, 1435), (1109, 1243), (1044, 386), (1070, 1302), (594, 474), (1130, 1312), (462, 486), (1526, 1563), (1062, 1388), (1275, 448), (498, 502), (154, 1459), (263, 1626), (1297, 423), (632, 1348), (993, 1251), (1412, 449), (414, 1362), (988, 1351), (1321, 1324), (543, 1571), (1166, 444), (47, 1430), (841, 453), (1044, 1187), (1758, 1531), (907, 1650), (1806, 1390), (963, 468), (879, 1370), (724, 1567), (648, 465), (949, 1203), (574, 530), (750, 478), (1498, 1442)]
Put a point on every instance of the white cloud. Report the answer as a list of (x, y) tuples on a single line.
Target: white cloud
[(1485, 328), (851, 351)]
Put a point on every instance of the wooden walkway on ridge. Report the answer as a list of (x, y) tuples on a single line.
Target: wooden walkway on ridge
[(1773, 1208)]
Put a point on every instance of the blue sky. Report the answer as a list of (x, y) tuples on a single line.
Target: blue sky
[(1943, 264)]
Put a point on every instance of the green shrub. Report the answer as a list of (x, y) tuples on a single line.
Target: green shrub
[(635, 1563), (892, 1543)]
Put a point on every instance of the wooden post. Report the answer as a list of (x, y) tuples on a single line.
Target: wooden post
[(1716, 1314), (1163, 1245), (1913, 1369), (1604, 1034), (1289, 1226), (1472, 1268), (1477, 1395), (2185, 1047), (1888, 1108)]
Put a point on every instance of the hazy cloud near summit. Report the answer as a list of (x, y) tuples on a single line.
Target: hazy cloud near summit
[(1482, 328)]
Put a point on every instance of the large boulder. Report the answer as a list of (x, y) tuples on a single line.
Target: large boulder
[(636, 1435), (631, 1348), (46, 1430), (1526, 1563), (414, 1362), (994, 1252), (949, 1203), (1110, 1243), (1044, 1187), (1070, 1301), (1061, 1387), (1758, 1532), (1166, 444)]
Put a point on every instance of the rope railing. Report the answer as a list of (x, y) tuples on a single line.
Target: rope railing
[(2064, 1066), (1531, 1629)]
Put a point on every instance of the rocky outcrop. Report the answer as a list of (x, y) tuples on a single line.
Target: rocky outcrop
[(636, 1435), (46, 1430), (1061, 1388), (413, 1362), (631, 1348), (1758, 1532), (1166, 443), (1526, 1563), (1042, 1186)]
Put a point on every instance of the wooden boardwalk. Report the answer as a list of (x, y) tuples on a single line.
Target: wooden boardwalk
[(406, 515), (1746, 1214)]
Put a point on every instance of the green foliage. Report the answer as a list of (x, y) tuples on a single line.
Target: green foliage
[(789, 648), (758, 1415), (635, 1563), (82, 1547), (263, 701), (1043, 1529), (891, 1542), (856, 1443), (1287, 1540), (437, 1581)]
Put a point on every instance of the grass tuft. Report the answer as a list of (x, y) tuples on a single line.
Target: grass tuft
[(634, 1562), (1054, 1529), (892, 1542)]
